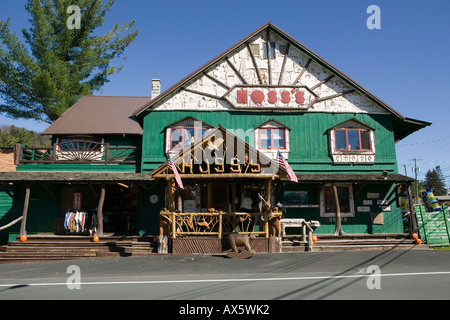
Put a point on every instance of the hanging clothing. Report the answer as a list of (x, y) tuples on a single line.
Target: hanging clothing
[(80, 220)]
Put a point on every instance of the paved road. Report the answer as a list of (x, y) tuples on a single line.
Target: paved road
[(286, 276)]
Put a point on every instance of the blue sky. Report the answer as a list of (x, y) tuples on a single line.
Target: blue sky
[(405, 63)]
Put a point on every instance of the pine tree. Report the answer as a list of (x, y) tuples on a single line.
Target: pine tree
[(60, 61), (434, 179)]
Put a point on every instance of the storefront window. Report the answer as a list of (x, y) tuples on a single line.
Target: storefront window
[(328, 201)]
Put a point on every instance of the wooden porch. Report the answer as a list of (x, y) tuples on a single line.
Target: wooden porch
[(76, 151)]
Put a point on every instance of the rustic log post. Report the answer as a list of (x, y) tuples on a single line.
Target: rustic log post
[(266, 217), (338, 225), (106, 153), (100, 211), (220, 224), (55, 148), (171, 195), (17, 153), (412, 212), (26, 203), (174, 225)]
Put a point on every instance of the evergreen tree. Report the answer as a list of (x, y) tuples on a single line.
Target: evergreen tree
[(434, 179), (62, 58), (10, 135)]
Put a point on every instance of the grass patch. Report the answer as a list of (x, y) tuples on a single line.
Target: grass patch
[(441, 248)]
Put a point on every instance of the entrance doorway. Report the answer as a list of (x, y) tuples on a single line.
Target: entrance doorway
[(119, 208)]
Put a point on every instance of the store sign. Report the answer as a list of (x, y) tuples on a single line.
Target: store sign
[(271, 97), (353, 158)]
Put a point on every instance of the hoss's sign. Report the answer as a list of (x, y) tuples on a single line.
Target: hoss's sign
[(271, 97)]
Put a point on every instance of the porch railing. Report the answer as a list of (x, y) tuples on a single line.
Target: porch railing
[(76, 151), (218, 224)]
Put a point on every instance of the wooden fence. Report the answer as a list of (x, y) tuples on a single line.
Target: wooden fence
[(215, 224)]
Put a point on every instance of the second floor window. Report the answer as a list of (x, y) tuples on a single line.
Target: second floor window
[(352, 140), (182, 137), (272, 138)]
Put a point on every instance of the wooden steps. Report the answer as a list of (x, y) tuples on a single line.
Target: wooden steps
[(329, 243), (51, 248)]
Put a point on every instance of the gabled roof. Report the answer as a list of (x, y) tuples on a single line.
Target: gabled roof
[(350, 122), (188, 119), (402, 126), (271, 121), (100, 115)]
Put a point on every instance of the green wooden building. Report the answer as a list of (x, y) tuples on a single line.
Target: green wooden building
[(224, 126)]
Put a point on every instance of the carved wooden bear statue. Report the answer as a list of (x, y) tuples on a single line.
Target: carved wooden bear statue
[(236, 239)]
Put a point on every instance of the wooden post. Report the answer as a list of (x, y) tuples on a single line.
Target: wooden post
[(106, 153), (174, 225), (310, 245), (220, 224), (26, 203), (338, 225), (304, 238), (266, 217), (171, 195), (100, 211), (412, 212), (54, 153)]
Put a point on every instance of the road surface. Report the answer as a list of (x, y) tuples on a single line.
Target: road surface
[(357, 275)]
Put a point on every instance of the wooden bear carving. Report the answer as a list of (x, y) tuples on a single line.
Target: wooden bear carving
[(236, 239)]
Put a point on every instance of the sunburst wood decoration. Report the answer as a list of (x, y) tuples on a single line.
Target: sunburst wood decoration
[(267, 70)]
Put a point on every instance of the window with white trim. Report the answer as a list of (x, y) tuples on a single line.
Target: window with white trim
[(273, 136), (328, 201), (352, 142), (183, 133), (182, 137)]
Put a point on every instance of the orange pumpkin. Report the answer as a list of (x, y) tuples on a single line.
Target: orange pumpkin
[(96, 238), (415, 236), (314, 238), (23, 238)]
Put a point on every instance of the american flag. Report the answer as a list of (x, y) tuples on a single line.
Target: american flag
[(175, 171), (282, 162)]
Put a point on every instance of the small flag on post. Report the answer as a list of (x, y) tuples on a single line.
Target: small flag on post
[(282, 162), (175, 171)]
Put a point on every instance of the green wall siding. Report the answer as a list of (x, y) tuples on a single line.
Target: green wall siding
[(361, 223), (309, 137)]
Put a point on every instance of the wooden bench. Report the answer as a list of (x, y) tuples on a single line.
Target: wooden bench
[(298, 223)]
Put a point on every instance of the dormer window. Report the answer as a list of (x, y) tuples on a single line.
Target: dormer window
[(183, 133), (349, 139), (352, 141), (182, 137), (272, 136)]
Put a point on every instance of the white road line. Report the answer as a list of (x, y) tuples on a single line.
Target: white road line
[(50, 284)]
